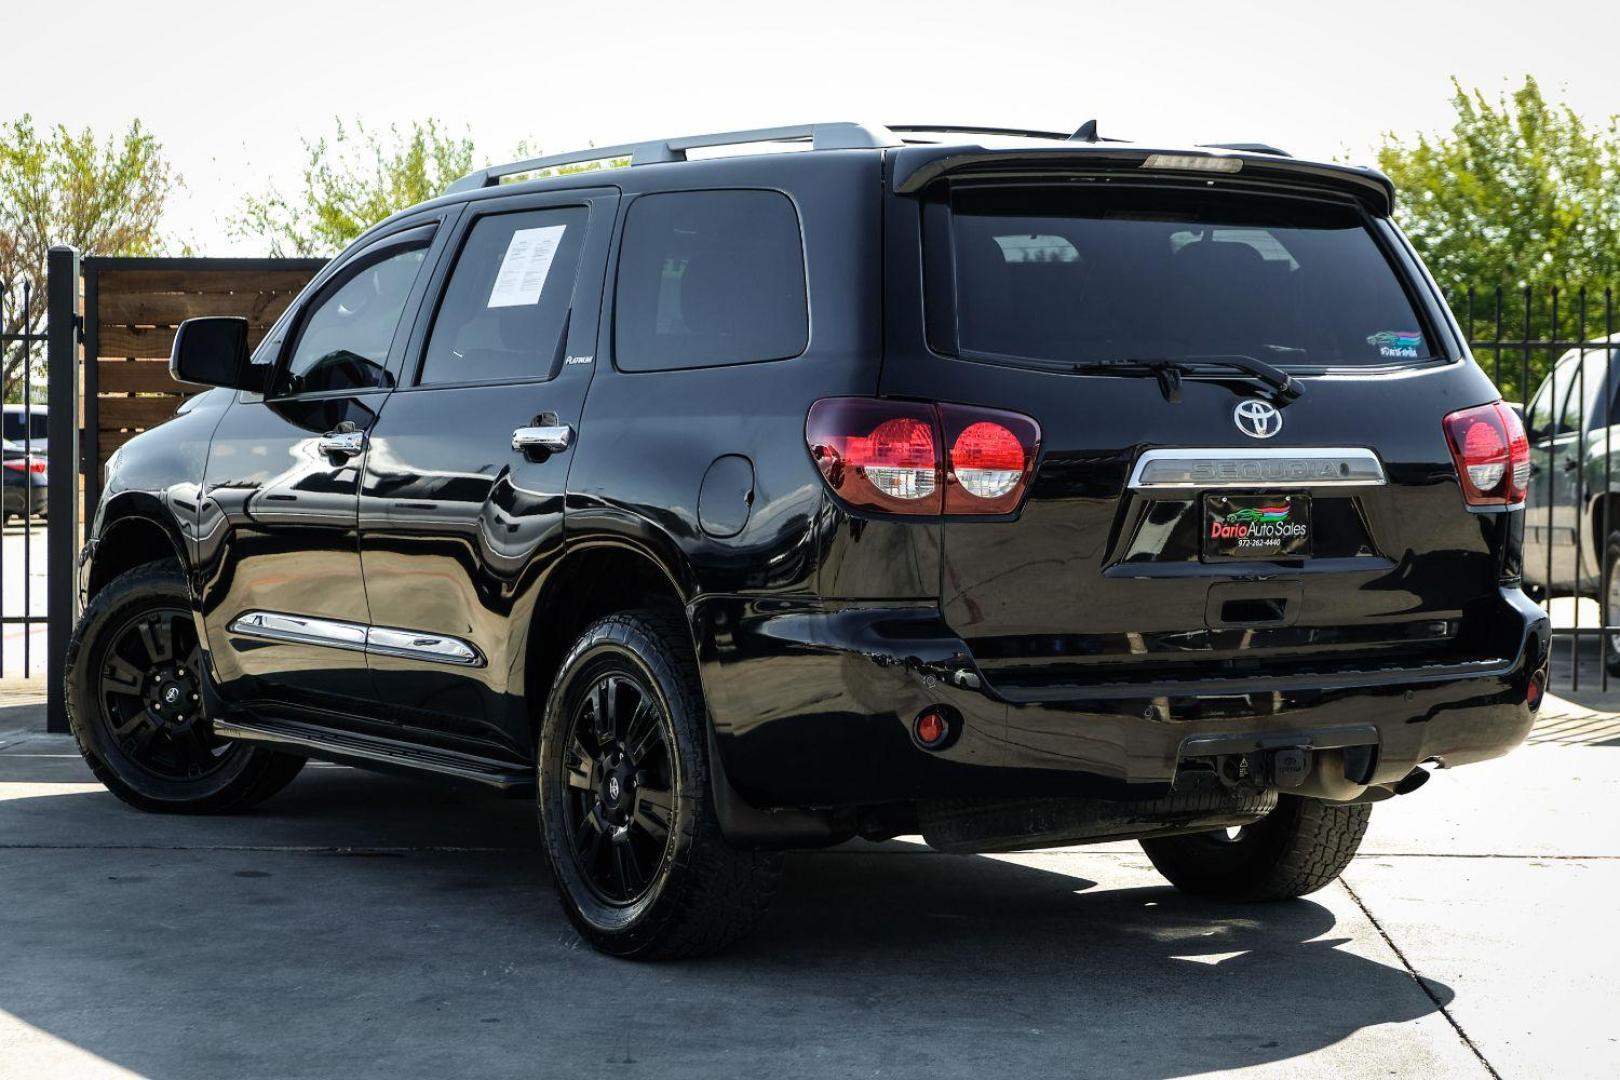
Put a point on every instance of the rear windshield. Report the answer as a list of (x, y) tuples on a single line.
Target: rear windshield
[(1076, 275)]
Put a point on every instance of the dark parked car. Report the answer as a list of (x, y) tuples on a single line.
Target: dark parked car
[(1009, 488), (23, 482), (26, 425)]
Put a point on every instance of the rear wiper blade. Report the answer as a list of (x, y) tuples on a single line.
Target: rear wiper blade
[(1285, 387)]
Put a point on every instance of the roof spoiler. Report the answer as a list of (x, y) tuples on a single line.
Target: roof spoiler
[(917, 167)]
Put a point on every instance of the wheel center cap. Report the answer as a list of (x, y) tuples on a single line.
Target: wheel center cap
[(171, 696), (614, 787)]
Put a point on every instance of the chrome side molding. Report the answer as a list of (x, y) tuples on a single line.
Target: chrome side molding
[(1270, 467), (300, 630), (386, 641), (356, 637)]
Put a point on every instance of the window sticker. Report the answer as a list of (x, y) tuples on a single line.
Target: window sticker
[(1396, 342), (525, 266)]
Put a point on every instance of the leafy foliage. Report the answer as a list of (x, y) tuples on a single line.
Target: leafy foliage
[(61, 187), (358, 177), (1520, 195), (351, 181)]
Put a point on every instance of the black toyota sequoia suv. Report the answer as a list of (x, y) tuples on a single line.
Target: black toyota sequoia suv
[(1009, 488)]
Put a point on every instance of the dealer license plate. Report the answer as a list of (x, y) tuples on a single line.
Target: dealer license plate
[(1257, 526)]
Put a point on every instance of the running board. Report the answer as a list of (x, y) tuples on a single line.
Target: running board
[(372, 751)]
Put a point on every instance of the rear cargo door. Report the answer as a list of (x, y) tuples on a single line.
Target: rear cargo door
[(1208, 530)]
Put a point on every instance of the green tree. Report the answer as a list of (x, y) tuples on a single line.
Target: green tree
[(105, 197), (357, 177), (1520, 194), (351, 181)]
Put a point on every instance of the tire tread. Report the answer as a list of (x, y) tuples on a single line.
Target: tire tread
[(722, 891), (266, 771), (1302, 846)]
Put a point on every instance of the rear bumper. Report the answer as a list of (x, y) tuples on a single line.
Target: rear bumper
[(813, 704)]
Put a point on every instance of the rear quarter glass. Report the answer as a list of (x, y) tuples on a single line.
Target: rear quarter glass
[(1069, 274)]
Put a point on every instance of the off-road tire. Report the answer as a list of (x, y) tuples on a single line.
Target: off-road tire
[(705, 895), (247, 774), (1298, 848)]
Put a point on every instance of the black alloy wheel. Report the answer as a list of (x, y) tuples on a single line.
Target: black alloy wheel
[(151, 695), (137, 706), (626, 801), (620, 800)]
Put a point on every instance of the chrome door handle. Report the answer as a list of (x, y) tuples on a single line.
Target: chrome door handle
[(342, 443), (552, 438)]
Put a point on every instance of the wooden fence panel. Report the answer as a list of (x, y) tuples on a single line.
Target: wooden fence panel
[(139, 305)]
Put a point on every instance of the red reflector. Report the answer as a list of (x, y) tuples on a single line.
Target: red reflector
[(1534, 691), (1492, 454), (931, 729)]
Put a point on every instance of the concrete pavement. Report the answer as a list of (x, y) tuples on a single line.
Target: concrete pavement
[(363, 925)]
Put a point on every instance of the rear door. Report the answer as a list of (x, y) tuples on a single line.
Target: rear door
[(1116, 569), (462, 503)]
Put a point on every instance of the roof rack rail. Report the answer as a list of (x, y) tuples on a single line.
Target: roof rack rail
[(1246, 148), (975, 129), (834, 136)]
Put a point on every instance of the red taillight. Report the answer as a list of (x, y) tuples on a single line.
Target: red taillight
[(886, 455), (878, 455), (1492, 454), (899, 458), (33, 465), (991, 458)]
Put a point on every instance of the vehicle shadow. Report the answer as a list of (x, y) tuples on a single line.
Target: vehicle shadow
[(179, 947)]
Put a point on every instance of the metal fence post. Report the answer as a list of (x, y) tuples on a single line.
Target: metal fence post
[(62, 500)]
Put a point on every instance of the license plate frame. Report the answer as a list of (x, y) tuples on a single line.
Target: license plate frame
[(1267, 527)]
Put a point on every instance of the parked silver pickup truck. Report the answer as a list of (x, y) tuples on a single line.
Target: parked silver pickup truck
[(1572, 518)]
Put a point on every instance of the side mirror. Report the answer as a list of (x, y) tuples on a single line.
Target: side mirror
[(213, 351)]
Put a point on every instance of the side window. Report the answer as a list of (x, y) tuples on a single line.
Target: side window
[(1539, 417), (506, 306), (1570, 419), (343, 340), (709, 278)]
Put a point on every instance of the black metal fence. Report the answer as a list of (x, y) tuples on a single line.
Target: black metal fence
[(1557, 352), (23, 340)]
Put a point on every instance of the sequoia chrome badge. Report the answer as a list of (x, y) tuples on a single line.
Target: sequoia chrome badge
[(1257, 419)]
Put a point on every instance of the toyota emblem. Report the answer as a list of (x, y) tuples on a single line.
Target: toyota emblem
[(1257, 419)]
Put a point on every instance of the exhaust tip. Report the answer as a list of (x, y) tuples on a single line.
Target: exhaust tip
[(1412, 781)]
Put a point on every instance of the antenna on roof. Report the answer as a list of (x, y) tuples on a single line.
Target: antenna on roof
[(1087, 133)]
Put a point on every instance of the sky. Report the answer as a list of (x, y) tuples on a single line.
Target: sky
[(231, 88)]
